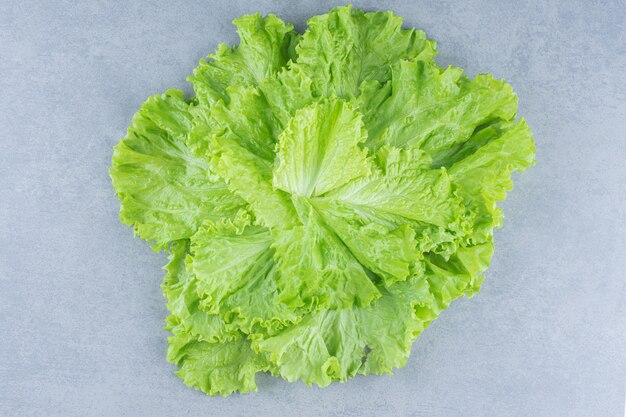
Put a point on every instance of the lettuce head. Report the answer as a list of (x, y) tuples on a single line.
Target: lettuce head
[(322, 197)]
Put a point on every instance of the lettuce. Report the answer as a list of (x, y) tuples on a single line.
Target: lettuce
[(322, 198)]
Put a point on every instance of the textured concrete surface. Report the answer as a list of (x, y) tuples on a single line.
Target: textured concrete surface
[(80, 305)]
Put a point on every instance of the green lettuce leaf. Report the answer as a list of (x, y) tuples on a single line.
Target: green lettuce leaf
[(165, 190), (243, 154), (215, 368), (180, 287), (319, 150), (335, 345), (343, 48), (322, 198), (266, 45), (238, 278), (317, 269), (424, 106), (484, 176)]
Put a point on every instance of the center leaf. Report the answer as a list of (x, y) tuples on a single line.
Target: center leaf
[(320, 149)]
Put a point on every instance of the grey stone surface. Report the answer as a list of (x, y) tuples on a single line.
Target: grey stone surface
[(81, 311)]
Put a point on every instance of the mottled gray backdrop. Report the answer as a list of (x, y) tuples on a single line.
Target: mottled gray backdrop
[(81, 311)]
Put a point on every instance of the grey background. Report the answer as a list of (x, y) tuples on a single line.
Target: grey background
[(81, 311)]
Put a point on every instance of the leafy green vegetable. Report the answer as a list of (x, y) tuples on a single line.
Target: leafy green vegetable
[(322, 198)]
